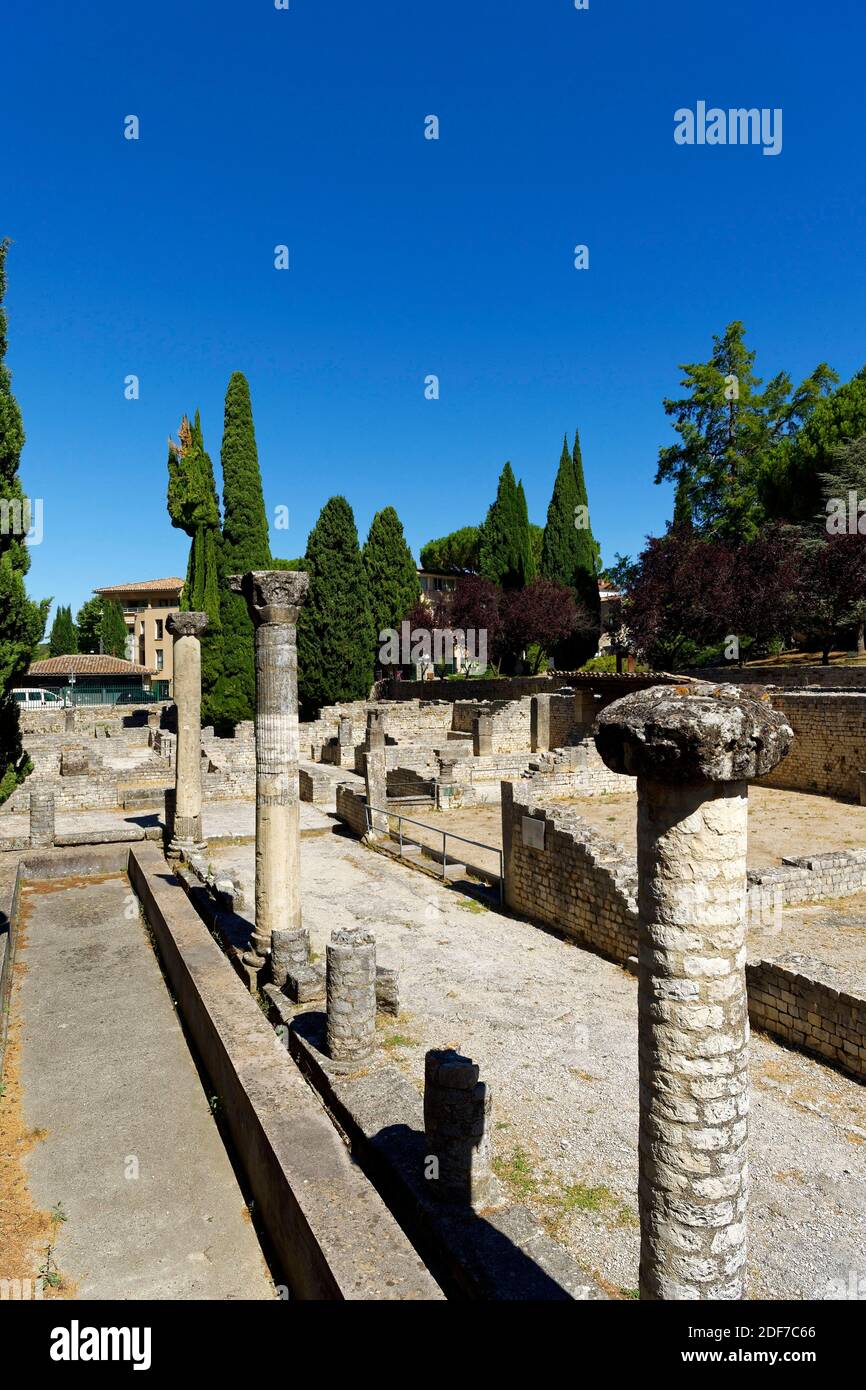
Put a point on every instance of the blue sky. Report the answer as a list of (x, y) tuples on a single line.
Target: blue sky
[(408, 257)]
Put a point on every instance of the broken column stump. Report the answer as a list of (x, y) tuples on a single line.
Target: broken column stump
[(302, 980), (351, 995), (41, 817), (456, 1122), (482, 736), (539, 724)]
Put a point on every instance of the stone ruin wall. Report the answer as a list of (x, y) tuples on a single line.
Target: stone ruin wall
[(829, 742), (806, 1004), (567, 876), (351, 808), (228, 767), (564, 875)]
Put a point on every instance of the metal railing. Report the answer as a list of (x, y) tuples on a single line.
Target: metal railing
[(447, 835)]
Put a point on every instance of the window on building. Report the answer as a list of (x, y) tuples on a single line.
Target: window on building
[(157, 626), (160, 660)]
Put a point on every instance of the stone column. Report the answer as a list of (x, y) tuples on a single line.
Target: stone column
[(540, 724), (376, 784), (290, 952), (584, 707), (693, 752), (170, 801), (41, 817), (187, 629), (448, 791), (375, 730), (274, 599), (351, 995), (482, 736), (456, 1118), (345, 743), (69, 720)]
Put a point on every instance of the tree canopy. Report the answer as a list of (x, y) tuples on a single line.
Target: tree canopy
[(336, 641), (392, 579), (22, 622)]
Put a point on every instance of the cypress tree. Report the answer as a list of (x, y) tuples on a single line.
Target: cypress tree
[(569, 552), (63, 640), (112, 630), (22, 622), (585, 581), (392, 578), (194, 507), (505, 548), (557, 549), (336, 641), (245, 546), (527, 548)]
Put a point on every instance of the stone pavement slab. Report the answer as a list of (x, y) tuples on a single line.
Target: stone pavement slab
[(131, 1149)]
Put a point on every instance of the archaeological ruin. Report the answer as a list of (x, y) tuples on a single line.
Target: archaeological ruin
[(469, 969)]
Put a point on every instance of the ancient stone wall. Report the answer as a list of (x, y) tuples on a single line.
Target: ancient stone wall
[(561, 873), (415, 721), (829, 742), (510, 722), (85, 717), (789, 677), (806, 1004), (561, 719), (351, 808), (518, 687)]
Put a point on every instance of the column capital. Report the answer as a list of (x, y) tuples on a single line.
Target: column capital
[(694, 733), (273, 596), (186, 624)]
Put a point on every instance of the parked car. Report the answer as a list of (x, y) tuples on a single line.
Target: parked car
[(41, 699)]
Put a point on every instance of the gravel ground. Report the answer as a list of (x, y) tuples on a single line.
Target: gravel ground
[(833, 932), (553, 1028)]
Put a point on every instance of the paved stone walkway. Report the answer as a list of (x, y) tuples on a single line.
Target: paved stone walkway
[(554, 1029), (131, 1150), (223, 820)]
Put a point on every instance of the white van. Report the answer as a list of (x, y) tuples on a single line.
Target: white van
[(40, 699)]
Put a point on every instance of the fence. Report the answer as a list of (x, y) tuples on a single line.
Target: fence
[(446, 836), (108, 694)]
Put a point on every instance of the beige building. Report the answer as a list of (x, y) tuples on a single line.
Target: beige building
[(146, 605)]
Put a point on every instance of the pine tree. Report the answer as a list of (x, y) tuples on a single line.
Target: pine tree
[(457, 551), (392, 578), (194, 507), (505, 550), (733, 431), (112, 630), (569, 552), (22, 622), (245, 546), (63, 640), (336, 641)]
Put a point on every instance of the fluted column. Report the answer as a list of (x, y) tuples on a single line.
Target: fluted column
[(274, 599)]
